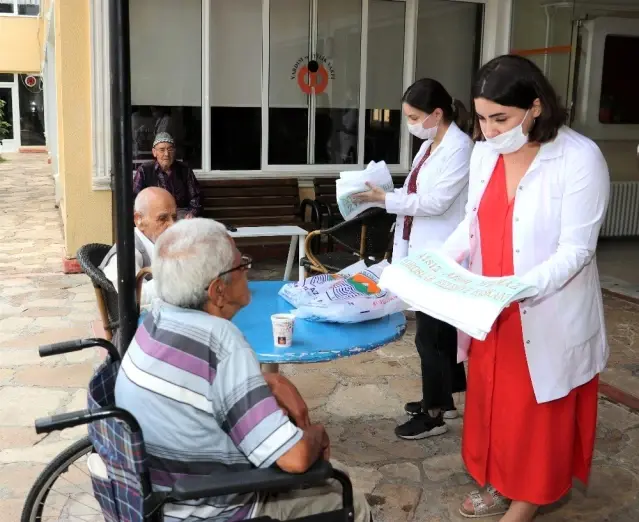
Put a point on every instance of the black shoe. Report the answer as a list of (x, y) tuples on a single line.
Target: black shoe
[(422, 426), (415, 408)]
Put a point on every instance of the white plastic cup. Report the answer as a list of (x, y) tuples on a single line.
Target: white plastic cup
[(283, 330)]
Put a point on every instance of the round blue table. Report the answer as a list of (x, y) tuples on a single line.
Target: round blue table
[(312, 341)]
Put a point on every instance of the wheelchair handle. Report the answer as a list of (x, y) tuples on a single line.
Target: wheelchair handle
[(47, 350), (78, 418), (62, 421)]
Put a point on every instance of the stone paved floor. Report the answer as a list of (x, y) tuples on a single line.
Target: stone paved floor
[(38, 305), (359, 399)]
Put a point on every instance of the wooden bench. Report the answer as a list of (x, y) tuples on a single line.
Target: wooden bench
[(251, 202)]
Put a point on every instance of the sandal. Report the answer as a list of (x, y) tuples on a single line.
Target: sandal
[(480, 509)]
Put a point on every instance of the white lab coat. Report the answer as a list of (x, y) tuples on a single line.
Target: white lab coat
[(559, 208), (148, 287), (438, 205)]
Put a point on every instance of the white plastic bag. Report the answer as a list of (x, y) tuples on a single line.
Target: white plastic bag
[(352, 299), (354, 182), (303, 292)]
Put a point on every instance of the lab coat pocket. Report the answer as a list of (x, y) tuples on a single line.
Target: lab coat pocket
[(577, 306)]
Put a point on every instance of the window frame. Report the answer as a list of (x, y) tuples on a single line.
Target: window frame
[(495, 41)]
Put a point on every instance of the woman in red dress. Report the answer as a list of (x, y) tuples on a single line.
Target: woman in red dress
[(537, 197)]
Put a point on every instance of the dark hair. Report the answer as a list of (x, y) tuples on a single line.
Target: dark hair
[(427, 95), (514, 81)]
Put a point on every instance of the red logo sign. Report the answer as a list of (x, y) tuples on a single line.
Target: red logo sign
[(312, 82), (30, 81)]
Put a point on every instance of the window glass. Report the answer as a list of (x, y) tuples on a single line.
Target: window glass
[(6, 6), (29, 7), (236, 84), (166, 76), (339, 33), (619, 101), (288, 104), (384, 81), (31, 110)]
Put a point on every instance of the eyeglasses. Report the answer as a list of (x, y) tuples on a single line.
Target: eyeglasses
[(246, 262)]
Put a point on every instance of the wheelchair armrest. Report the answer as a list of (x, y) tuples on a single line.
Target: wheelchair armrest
[(254, 480)]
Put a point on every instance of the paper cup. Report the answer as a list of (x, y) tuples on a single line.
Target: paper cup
[(283, 330)]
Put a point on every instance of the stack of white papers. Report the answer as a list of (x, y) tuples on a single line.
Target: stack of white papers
[(353, 182), (435, 285)]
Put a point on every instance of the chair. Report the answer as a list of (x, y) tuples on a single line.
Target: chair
[(126, 493), (367, 237), (89, 257)]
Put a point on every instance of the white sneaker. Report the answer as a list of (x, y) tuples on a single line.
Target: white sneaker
[(451, 414)]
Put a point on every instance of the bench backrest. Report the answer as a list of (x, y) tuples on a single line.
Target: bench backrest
[(253, 202)]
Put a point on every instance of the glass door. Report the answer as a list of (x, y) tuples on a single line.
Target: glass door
[(314, 81), (9, 95)]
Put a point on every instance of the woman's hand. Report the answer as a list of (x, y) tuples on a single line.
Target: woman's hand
[(374, 195)]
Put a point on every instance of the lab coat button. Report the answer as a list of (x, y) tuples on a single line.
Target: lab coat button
[(527, 342), (517, 251)]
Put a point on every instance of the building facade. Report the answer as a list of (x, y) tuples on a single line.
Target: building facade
[(300, 89), (21, 86)]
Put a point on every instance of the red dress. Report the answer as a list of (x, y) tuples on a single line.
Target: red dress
[(527, 451)]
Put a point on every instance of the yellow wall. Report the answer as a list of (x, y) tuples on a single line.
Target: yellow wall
[(20, 47), (86, 213)]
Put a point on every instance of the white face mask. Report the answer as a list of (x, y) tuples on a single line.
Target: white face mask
[(510, 141), (418, 130)]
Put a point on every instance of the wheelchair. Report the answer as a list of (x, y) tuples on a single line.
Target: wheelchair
[(124, 492)]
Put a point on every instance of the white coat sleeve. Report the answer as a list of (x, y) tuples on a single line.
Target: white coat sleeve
[(111, 269), (583, 209), (436, 198), (457, 246)]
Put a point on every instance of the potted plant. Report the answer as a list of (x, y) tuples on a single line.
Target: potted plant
[(4, 126)]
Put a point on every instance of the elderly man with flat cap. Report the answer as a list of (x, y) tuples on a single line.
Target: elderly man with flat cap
[(170, 174)]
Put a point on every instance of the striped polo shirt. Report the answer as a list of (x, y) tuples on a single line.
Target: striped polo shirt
[(195, 386)]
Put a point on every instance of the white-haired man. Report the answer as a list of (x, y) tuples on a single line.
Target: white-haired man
[(154, 211), (195, 386)]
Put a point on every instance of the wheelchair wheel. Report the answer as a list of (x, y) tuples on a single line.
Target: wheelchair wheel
[(63, 490)]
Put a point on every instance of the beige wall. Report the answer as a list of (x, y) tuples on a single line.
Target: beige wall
[(19, 44), (86, 213)]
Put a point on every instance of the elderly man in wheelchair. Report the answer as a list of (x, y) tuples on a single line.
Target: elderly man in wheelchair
[(186, 427)]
